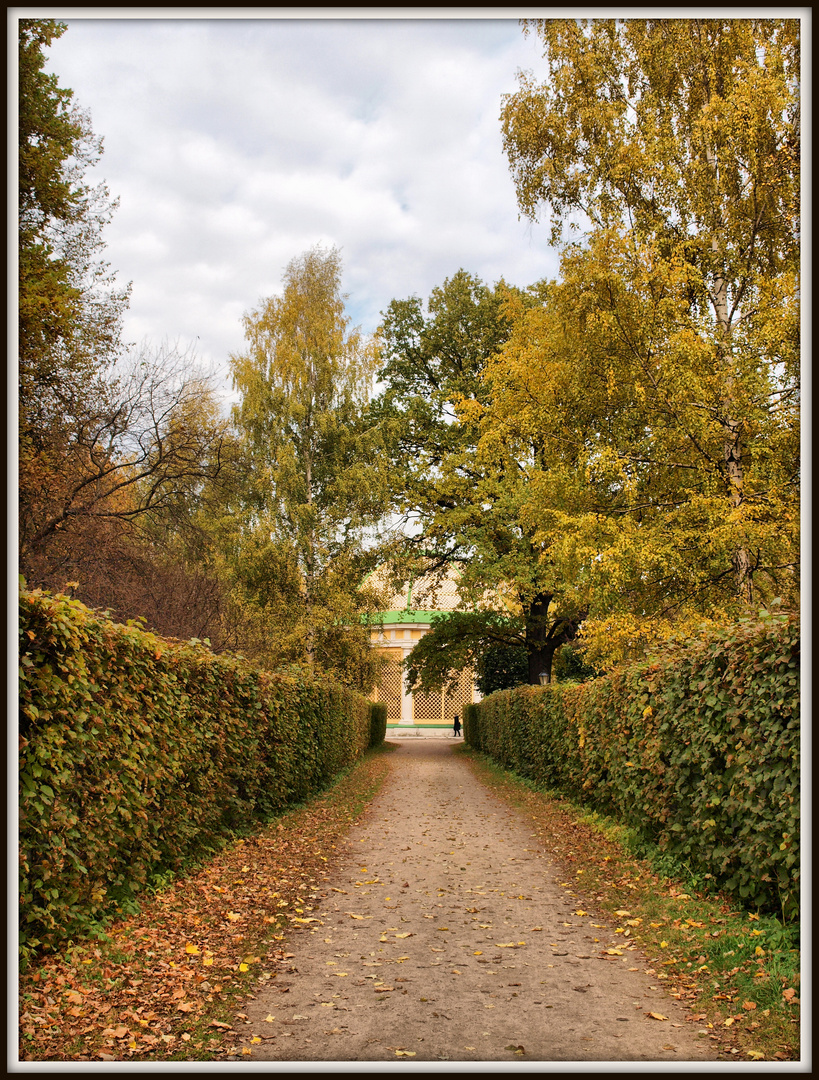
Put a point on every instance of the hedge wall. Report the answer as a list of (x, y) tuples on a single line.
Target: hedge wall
[(697, 751), (138, 754), (378, 723)]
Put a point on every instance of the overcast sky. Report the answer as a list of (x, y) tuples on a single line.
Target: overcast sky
[(234, 145)]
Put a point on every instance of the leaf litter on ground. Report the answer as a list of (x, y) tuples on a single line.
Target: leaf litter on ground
[(165, 984)]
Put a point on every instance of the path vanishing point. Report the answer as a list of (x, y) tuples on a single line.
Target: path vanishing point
[(449, 934)]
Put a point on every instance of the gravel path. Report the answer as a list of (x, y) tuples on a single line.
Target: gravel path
[(446, 935)]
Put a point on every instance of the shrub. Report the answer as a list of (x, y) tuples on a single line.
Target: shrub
[(698, 751), (139, 754)]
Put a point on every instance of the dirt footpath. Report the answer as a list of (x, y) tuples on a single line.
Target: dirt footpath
[(447, 936)]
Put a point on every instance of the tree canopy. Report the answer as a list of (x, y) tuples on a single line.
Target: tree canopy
[(312, 475), (461, 490), (663, 368)]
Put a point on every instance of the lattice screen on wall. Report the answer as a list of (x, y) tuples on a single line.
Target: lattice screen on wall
[(390, 689), (461, 696), (426, 708)]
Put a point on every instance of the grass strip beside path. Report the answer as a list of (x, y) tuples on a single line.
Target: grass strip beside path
[(736, 971), (166, 983)]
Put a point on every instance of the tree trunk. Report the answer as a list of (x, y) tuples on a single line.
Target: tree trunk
[(544, 636), (538, 646)]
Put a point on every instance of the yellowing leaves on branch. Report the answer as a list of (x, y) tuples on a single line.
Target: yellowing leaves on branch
[(311, 476), (661, 373)]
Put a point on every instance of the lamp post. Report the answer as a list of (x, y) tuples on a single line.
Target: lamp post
[(544, 678)]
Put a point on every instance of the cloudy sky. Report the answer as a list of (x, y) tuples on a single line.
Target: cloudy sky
[(236, 144)]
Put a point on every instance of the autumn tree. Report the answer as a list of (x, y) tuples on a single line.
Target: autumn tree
[(70, 308), (312, 475), (666, 361), (460, 494)]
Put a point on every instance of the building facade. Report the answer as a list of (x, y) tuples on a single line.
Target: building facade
[(401, 627)]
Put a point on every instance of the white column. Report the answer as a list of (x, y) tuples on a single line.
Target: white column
[(406, 697)]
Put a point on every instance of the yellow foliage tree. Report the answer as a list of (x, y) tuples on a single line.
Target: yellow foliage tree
[(663, 370)]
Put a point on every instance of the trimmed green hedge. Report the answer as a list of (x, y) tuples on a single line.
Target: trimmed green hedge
[(698, 752), (138, 754), (378, 723)]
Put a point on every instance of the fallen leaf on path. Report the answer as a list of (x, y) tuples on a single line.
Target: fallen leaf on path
[(657, 1016)]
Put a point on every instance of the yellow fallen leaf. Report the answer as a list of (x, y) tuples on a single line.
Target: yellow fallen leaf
[(255, 1039), (243, 967), (246, 1051), (478, 952), (623, 914), (207, 960), (340, 974), (756, 1055), (232, 916), (192, 950), (405, 1053), (269, 1018), (581, 912), (729, 1021), (354, 916), (657, 1016), (408, 934), (614, 952)]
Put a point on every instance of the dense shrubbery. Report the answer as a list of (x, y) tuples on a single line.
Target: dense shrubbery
[(139, 754), (697, 751), (378, 723)]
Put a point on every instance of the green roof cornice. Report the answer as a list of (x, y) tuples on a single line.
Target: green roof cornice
[(400, 617)]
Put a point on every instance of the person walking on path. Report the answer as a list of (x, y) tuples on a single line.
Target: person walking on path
[(456, 725)]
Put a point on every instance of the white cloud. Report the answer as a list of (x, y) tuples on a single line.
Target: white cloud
[(235, 145)]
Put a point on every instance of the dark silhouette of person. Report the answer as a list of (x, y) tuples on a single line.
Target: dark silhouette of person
[(456, 725)]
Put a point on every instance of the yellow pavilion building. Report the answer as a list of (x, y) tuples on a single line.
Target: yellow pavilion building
[(400, 628)]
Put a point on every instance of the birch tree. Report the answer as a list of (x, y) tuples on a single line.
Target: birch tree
[(670, 149), (312, 478)]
